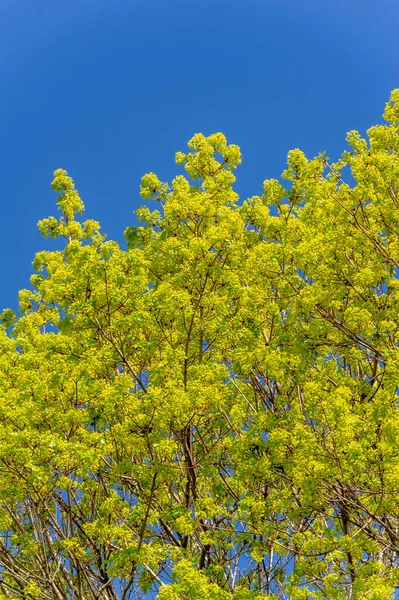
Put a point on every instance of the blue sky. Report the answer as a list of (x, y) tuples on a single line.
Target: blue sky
[(110, 90)]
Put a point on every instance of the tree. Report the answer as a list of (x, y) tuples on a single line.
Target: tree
[(211, 413)]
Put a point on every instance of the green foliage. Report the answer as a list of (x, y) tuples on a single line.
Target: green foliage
[(211, 413)]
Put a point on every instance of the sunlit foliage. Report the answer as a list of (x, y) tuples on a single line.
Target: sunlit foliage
[(212, 412)]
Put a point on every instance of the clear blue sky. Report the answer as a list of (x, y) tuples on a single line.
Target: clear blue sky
[(110, 90)]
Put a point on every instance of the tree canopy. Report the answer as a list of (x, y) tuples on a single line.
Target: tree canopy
[(212, 411)]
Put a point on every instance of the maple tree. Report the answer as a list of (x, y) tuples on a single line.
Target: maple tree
[(212, 412)]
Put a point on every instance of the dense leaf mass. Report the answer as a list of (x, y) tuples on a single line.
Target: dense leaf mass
[(211, 413)]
